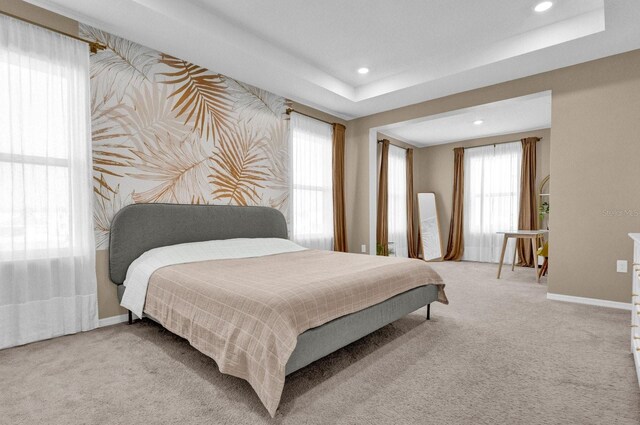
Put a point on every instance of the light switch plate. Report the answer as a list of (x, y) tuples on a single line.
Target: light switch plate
[(621, 266)]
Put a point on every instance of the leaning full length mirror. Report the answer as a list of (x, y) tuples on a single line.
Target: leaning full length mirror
[(429, 227)]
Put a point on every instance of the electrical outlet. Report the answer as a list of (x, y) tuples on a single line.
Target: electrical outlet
[(363, 248), (621, 266)]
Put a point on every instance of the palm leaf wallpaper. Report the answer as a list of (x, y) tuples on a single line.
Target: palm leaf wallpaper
[(240, 168), (167, 130), (201, 97)]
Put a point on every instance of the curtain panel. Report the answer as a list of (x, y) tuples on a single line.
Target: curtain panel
[(412, 241), (455, 243), (397, 200), (382, 237), (528, 217), (339, 218), (47, 250), (491, 199), (312, 182)]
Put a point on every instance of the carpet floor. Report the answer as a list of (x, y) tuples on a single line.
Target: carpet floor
[(500, 353)]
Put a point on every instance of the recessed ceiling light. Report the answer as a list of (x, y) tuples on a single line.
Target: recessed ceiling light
[(478, 122), (363, 70), (543, 6)]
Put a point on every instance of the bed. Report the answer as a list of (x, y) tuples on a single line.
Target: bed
[(285, 327)]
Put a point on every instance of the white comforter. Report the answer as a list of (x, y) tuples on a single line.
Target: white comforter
[(144, 266)]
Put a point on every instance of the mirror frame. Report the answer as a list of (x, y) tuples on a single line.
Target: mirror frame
[(441, 258)]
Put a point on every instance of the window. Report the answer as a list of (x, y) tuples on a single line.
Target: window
[(312, 182), (34, 162), (397, 201), (491, 199), (47, 266)]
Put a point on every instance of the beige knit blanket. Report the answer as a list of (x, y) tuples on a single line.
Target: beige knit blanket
[(246, 314)]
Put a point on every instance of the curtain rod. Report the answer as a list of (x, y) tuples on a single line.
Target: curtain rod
[(393, 144), (93, 45), (290, 110), (493, 144)]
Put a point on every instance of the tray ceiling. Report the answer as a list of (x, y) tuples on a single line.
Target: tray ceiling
[(415, 50)]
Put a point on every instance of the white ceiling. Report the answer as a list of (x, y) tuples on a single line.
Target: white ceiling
[(390, 37), (416, 50), (509, 116)]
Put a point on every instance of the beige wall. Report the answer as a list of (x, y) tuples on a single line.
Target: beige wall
[(396, 141), (108, 305), (593, 163), (316, 113), (433, 170)]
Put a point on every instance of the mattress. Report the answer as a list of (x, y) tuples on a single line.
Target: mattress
[(247, 313)]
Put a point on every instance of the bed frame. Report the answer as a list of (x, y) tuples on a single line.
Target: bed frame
[(138, 228)]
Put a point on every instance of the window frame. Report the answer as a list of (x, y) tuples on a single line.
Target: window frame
[(324, 191)]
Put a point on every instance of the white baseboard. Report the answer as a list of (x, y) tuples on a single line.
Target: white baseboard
[(113, 320), (589, 301)]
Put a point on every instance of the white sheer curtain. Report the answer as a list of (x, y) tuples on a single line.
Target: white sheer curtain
[(491, 199), (397, 200), (312, 182), (47, 265)]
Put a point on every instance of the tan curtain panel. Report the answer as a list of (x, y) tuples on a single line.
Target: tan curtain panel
[(455, 245), (412, 242), (339, 219), (528, 216), (382, 232)]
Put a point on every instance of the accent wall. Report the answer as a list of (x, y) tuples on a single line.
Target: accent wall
[(166, 130)]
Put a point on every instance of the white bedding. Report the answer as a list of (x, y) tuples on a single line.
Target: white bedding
[(144, 266)]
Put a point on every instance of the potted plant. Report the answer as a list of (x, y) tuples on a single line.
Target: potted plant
[(390, 251), (543, 210)]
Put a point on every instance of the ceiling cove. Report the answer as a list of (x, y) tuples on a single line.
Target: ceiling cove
[(509, 116), (311, 52)]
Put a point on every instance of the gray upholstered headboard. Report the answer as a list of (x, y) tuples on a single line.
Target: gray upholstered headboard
[(141, 227)]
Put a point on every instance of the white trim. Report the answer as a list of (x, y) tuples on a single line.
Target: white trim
[(589, 301), (113, 320), (373, 185)]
